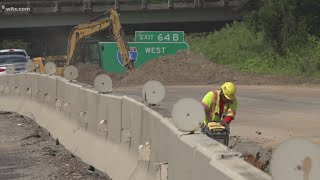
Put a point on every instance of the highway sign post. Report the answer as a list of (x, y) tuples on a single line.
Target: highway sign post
[(159, 36), (140, 52)]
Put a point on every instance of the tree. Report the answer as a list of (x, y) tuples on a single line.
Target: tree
[(310, 10), (286, 23), (16, 44)]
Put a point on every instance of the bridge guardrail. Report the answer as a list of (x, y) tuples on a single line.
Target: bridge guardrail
[(71, 6)]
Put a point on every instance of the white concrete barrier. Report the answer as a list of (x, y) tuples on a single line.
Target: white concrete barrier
[(131, 122), (105, 131), (109, 108)]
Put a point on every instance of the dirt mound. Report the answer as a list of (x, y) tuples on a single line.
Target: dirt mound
[(185, 68), (88, 72), (188, 68)]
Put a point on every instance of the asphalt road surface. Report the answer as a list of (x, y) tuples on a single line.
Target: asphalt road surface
[(266, 115)]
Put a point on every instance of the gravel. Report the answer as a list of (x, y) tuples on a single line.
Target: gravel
[(27, 151)]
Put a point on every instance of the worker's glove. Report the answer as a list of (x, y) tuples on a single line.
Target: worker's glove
[(223, 123), (201, 124)]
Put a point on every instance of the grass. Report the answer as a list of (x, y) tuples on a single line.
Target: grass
[(237, 46)]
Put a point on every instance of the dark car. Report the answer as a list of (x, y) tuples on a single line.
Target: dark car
[(19, 61)]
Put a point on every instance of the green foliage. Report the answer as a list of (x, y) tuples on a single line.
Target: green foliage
[(277, 36), (309, 10), (17, 44), (239, 47), (251, 5), (282, 25)]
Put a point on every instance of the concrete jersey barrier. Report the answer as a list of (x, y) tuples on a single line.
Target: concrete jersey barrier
[(118, 135)]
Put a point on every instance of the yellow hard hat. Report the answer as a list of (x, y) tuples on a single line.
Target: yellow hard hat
[(229, 90)]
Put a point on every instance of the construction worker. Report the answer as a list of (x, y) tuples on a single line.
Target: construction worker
[(220, 105)]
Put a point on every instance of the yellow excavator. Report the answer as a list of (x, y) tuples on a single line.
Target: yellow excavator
[(80, 49)]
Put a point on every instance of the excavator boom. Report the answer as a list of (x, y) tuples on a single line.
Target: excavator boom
[(118, 35), (84, 30)]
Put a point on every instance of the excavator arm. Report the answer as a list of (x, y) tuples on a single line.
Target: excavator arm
[(84, 30), (118, 35)]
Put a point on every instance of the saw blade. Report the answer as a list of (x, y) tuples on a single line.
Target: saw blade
[(10, 69), (187, 113), (71, 72), (30, 66), (153, 92), (103, 83), (50, 68)]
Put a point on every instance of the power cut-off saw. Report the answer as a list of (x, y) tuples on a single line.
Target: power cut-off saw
[(217, 132)]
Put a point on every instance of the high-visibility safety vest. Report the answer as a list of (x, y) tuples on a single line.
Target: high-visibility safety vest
[(211, 103)]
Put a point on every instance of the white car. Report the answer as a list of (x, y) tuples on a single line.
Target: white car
[(14, 52)]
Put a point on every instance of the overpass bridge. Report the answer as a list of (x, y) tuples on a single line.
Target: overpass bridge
[(47, 24), (27, 14), (127, 17)]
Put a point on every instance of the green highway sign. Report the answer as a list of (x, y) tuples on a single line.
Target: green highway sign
[(159, 36), (141, 52)]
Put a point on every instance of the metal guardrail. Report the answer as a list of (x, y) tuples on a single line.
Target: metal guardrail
[(66, 6)]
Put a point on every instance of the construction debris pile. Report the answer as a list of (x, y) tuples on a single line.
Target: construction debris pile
[(253, 153), (264, 166), (185, 68)]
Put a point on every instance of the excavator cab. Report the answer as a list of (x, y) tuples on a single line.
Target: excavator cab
[(87, 51)]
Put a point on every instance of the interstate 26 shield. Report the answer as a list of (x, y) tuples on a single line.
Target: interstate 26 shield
[(133, 55)]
